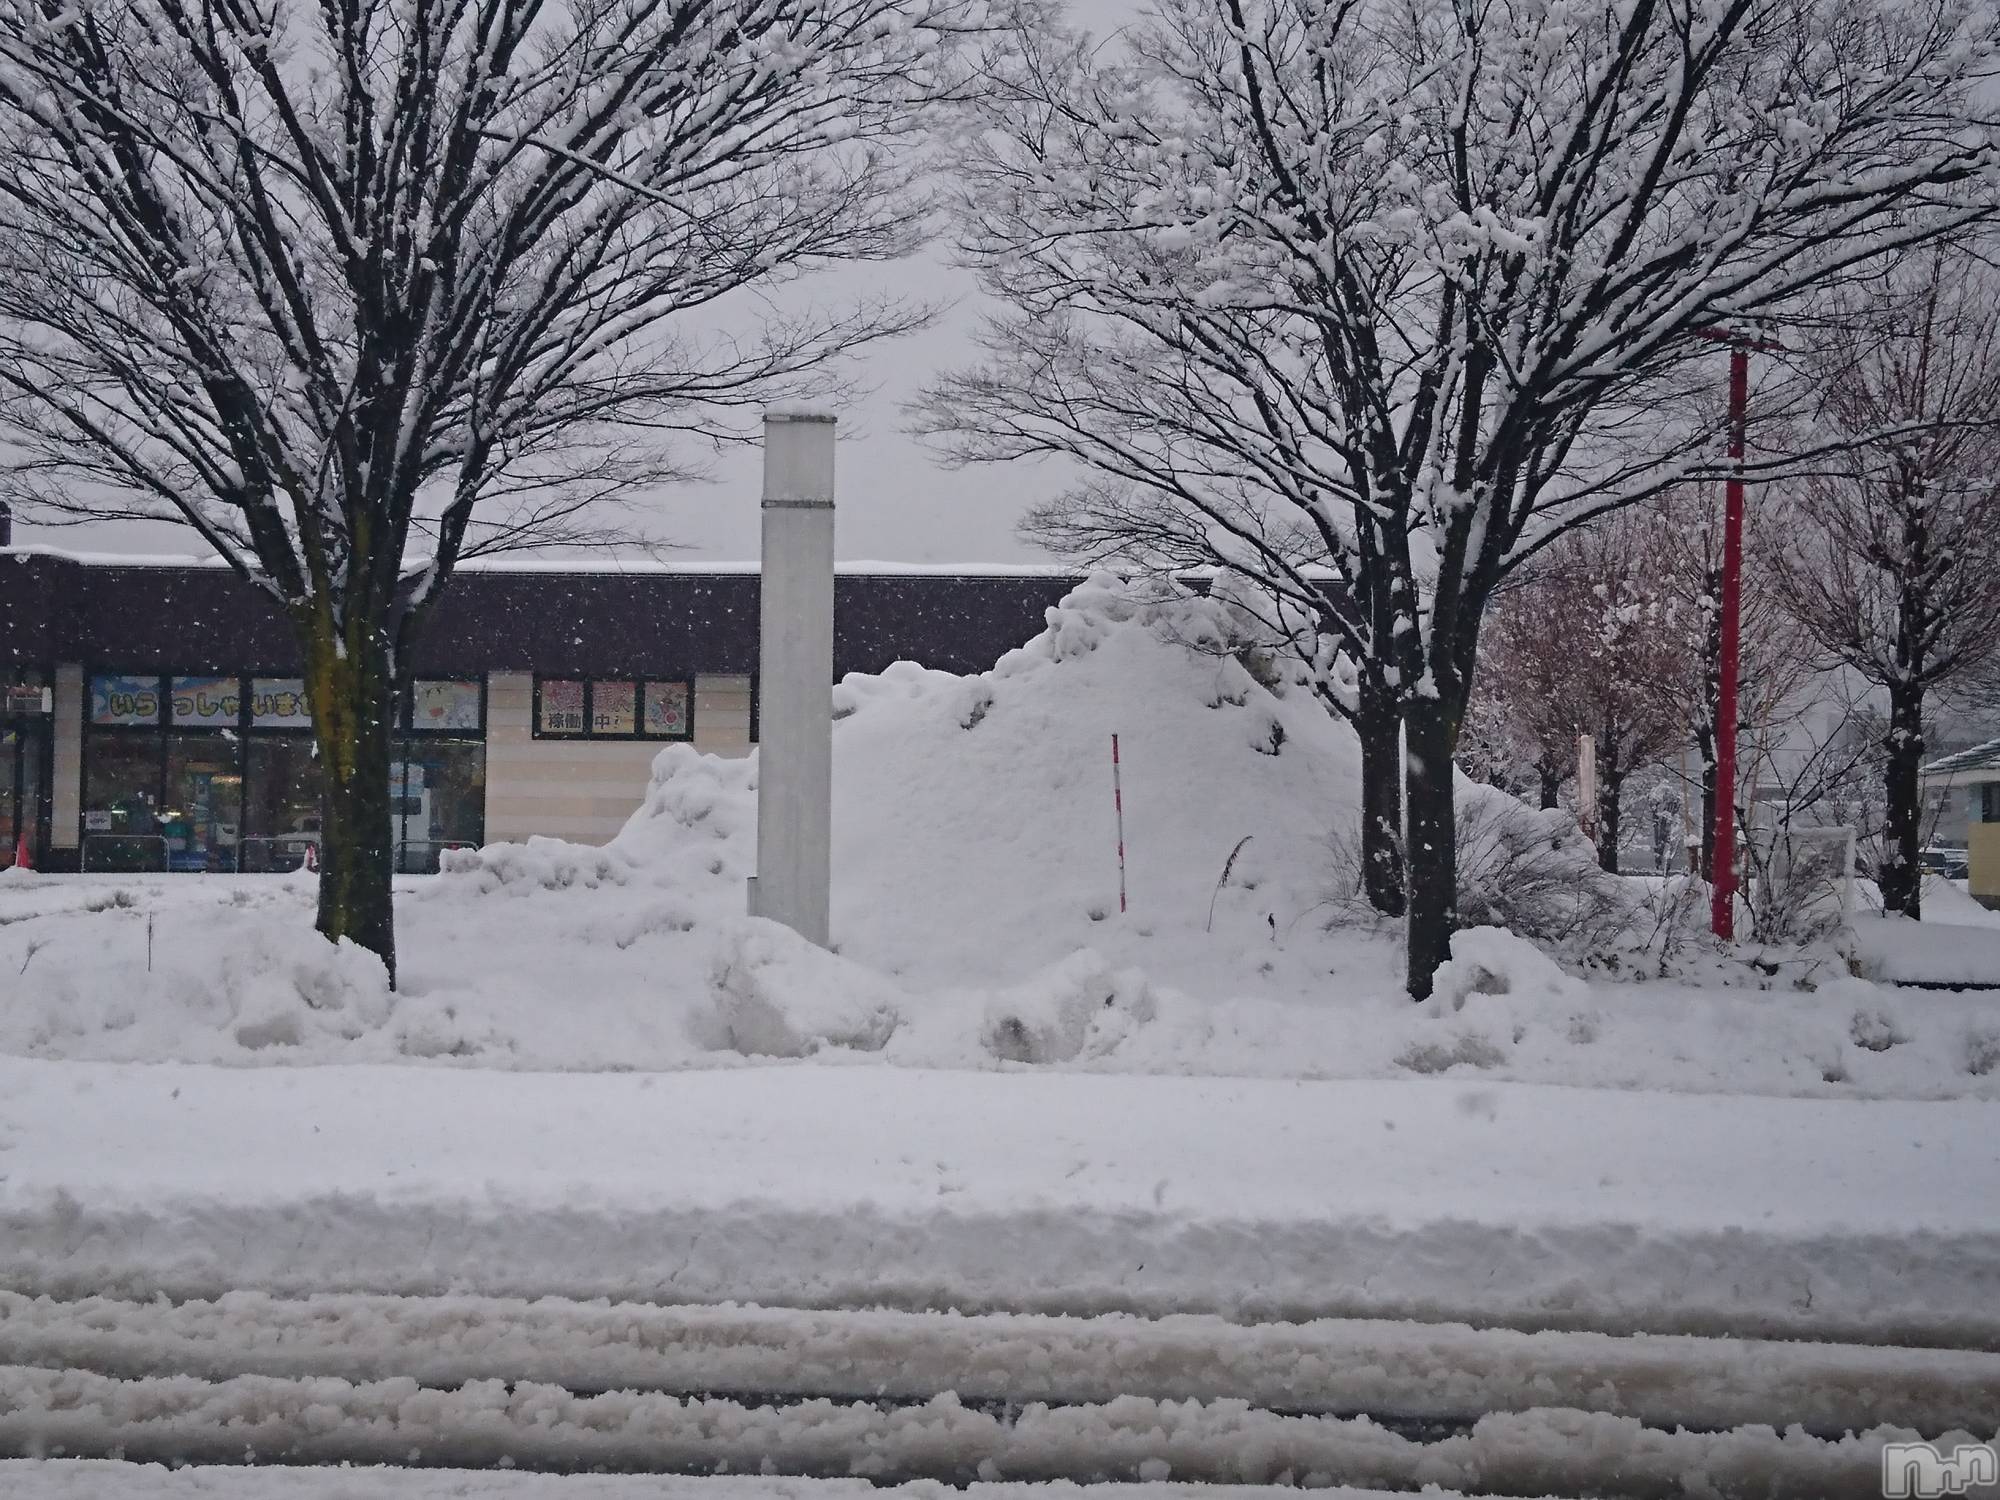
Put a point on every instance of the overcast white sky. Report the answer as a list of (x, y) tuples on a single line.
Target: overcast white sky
[(895, 501)]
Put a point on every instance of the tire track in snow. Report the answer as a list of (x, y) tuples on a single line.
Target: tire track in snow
[(1400, 1371), (490, 1424)]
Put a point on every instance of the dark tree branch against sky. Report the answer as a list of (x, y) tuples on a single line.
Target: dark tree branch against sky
[(1590, 640), (354, 288), (1405, 287)]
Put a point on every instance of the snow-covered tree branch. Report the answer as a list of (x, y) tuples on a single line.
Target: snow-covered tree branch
[(322, 278), (1404, 288), (1894, 567)]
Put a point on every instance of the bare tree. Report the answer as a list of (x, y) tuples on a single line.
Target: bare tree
[(1591, 640), (1404, 287), (355, 288), (1776, 686), (1894, 562), (1520, 729), (1809, 767)]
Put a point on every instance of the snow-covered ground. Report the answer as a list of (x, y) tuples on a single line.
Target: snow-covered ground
[(977, 926), (1534, 1453), (810, 1186), (99, 1481), (109, 1481), (617, 1163), (1422, 1372)]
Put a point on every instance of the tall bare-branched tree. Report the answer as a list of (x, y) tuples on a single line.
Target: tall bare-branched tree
[(1520, 729), (1404, 286), (1893, 565), (1591, 640), (356, 288)]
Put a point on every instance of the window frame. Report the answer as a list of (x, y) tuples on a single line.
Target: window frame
[(162, 729), (403, 731), (406, 710), (640, 682)]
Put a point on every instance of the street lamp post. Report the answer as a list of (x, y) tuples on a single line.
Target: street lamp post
[(1722, 907)]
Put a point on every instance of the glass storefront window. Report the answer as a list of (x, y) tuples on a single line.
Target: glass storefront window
[(124, 698), (559, 706), (667, 715), (614, 708), (279, 703), (205, 702), (12, 816), (438, 791), (280, 801), (25, 706), (445, 706), (202, 818), (173, 780), (121, 803)]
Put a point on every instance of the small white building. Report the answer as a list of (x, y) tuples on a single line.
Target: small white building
[(1974, 773)]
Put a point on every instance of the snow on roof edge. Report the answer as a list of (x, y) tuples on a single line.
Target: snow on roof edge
[(1974, 758)]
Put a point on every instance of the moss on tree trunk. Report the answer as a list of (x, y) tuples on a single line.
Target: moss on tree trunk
[(352, 690)]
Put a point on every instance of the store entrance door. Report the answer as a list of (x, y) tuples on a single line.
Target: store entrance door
[(23, 744)]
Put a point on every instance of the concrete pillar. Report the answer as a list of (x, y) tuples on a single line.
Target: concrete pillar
[(66, 783), (795, 676)]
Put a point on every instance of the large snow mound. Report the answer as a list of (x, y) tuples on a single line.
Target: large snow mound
[(976, 920)]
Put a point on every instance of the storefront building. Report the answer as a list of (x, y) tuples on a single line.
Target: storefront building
[(152, 717)]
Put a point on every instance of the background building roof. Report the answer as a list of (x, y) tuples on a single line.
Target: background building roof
[(1967, 767), (629, 618)]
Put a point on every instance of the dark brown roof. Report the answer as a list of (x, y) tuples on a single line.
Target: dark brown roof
[(133, 614)]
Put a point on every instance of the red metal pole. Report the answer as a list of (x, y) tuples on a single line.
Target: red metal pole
[(1722, 913)]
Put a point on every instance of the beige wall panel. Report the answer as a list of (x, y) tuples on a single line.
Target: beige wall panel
[(1983, 857), (66, 787), (580, 789)]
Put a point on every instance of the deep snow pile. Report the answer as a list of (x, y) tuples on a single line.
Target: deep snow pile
[(976, 918)]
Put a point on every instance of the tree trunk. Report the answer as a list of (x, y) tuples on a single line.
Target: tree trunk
[(1901, 875), (1551, 785), (1610, 795), (353, 697), (1380, 731), (1433, 851)]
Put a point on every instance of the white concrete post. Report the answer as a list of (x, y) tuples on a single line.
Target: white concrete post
[(795, 677)]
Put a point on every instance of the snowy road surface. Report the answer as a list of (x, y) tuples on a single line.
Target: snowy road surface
[(100, 1481), (460, 1383), (1424, 1372), (1523, 1205), (491, 1424), (370, 1265)]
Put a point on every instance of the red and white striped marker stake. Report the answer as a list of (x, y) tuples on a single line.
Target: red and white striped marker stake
[(1118, 801)]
